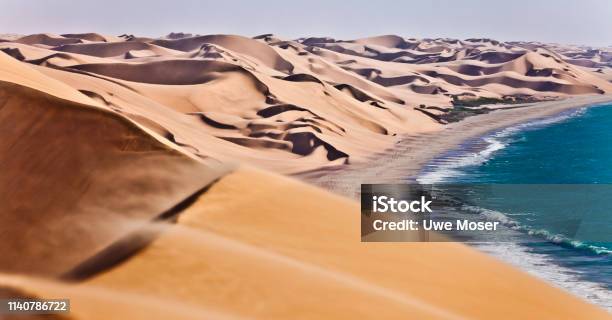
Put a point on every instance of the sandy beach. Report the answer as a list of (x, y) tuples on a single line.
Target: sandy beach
[(405, 161)]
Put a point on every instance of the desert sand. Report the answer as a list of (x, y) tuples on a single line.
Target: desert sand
[(303, 104), (143, 178)]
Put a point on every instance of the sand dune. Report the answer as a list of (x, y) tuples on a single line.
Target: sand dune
[(104, 49), (46, 40), (465, 68), (93, 37), (86, 159), (348, 99), (245, 257), (108, 157), (126, 173), (238, 44)]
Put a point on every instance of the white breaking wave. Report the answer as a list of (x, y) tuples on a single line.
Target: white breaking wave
[(541, 265), (493, 215), (544, 267), (448, 167)]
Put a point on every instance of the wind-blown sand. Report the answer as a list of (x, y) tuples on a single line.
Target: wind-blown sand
[(129, 184)]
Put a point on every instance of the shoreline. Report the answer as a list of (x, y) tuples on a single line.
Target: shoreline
[(409, 156), (412, 156)]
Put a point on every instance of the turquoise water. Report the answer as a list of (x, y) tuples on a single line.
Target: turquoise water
[(576, 149), (563, 220)]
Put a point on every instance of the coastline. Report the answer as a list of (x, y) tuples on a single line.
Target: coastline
[(414, 155), (409, 156)]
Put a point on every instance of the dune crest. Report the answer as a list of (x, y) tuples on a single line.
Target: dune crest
[(61, 156)]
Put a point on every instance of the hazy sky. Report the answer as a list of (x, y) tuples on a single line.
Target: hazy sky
[(576, 22)]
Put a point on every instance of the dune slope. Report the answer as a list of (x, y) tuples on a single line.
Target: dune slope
[(72, 173), (266, 254)]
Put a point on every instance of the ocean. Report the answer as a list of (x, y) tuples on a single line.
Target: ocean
[(569, 158)]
